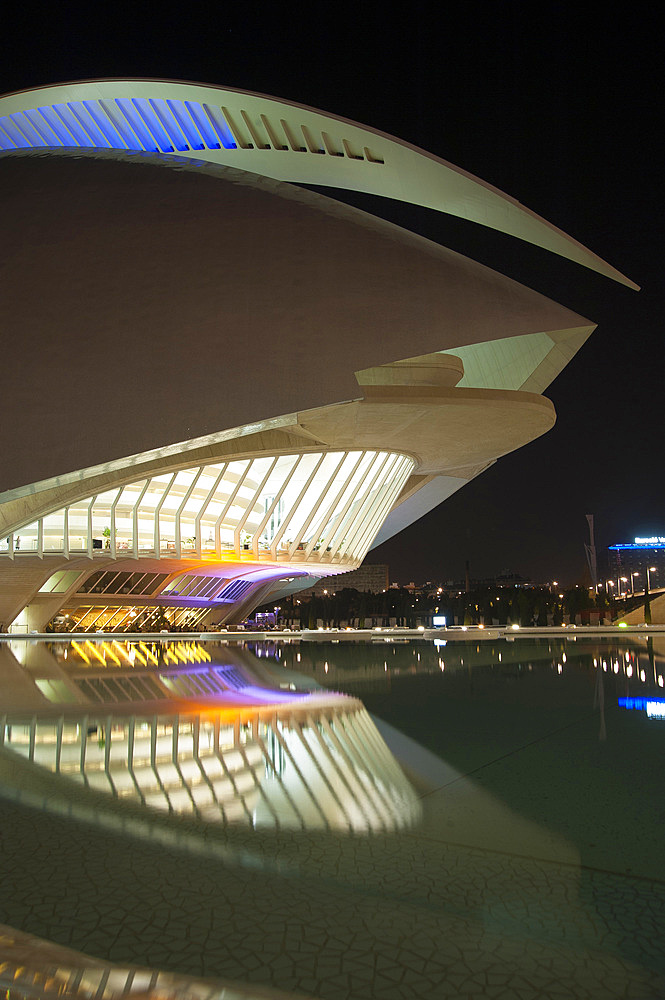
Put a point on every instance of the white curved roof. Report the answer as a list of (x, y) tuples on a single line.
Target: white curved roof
[(273, 138)]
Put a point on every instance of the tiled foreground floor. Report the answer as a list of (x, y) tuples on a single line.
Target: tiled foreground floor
[(337, 917)]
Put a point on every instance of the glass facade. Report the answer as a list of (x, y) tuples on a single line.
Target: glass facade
[(317, 507)]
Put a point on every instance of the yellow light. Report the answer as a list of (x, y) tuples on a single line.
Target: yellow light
[(121, 650), (78, 649), (96, 652), (149, 655), (107, 649), (139, 657)]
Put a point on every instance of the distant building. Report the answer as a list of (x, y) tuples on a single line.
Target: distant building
[(630, 562), (504, 579), (366, 578)]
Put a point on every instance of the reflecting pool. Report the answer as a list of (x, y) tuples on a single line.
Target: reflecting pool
[(568, 733), (341, 819)]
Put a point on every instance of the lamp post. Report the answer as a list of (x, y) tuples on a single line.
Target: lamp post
[(650, 569), (632, 583), (647, 607), (622, 579), (610, 583)]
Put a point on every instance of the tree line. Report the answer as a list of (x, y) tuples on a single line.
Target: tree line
[(484, 605)]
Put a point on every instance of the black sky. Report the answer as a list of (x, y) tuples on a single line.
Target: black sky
[(561, 109)]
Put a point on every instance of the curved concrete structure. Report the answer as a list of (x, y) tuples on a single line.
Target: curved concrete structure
[(361, 373), (268, 136)]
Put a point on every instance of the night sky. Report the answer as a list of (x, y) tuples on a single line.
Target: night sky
[(560, 111)]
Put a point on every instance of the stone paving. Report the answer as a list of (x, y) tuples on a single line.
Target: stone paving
[(335, 917)]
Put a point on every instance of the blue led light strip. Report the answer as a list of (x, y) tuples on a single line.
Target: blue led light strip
[(638, 703), (5, 141), (140, 123), (220, 126), (32, 134), (87, 122), (121, 124), (105, 125), (14, 138), (41, 126), (185, 123), (56, 125), (641, 547), (203, 124), (643, 704), (163, 114), (71, 122), (153, 124)]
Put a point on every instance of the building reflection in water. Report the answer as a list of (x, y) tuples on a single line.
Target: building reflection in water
[(249, 733), (183, 728), (372, 666)]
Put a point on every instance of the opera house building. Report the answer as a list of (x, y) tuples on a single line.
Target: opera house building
[(222, 384)]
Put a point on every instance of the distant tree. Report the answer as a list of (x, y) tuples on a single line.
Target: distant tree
[(576, 600)]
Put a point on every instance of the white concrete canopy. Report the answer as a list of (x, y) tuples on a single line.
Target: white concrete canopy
[(273, 138)]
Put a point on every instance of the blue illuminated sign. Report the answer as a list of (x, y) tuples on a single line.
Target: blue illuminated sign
[(654, 542), (654, 707)]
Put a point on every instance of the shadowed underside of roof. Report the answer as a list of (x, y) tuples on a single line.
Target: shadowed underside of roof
[(159, 304)]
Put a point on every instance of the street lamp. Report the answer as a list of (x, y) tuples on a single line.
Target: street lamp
[(622, 579), (610, 583), (650, 569), (632, 583)]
